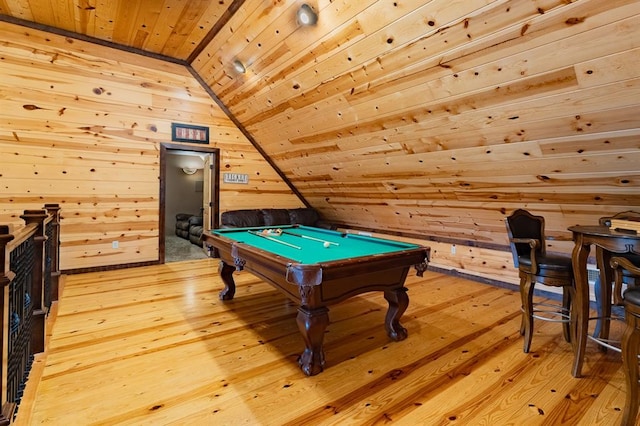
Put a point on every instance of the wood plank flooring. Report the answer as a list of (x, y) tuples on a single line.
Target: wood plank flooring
[(155, 346)]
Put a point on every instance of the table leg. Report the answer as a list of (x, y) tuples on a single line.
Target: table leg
[(226, 273), (398, 303), (580, 308), (312, 323)]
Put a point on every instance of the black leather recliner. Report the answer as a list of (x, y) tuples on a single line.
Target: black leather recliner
[(182, 225), (189, 227)]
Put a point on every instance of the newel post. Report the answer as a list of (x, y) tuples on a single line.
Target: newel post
[(37, 279), (6, 277), (54, 249)]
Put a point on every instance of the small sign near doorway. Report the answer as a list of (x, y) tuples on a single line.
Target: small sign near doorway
[(235, 178)]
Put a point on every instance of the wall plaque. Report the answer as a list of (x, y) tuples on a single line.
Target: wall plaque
[(235, 178), (189, 133)]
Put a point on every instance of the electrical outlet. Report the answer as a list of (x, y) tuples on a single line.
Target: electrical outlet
[(593, 275), (453, 249), (115, 244)]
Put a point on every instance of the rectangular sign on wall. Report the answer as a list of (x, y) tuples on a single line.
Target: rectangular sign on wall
[(189, 133), (235, 178)]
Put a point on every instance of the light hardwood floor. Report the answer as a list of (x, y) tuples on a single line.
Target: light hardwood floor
[(156, 346)]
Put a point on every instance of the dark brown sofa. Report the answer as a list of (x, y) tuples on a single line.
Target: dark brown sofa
[(272, 217)]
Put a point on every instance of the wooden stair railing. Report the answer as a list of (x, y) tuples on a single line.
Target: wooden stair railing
[(29, 272)]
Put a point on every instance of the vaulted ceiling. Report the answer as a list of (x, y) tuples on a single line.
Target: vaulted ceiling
[(427, 116), (170, 28)]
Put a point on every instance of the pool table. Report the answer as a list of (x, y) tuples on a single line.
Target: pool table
[(317, 267)]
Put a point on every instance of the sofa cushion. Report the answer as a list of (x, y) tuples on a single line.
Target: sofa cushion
[(242, 218), (182, 225), (303, 216), (275, 217)]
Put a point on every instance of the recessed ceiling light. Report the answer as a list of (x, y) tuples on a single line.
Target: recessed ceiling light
[(306, 15), (239, 66)]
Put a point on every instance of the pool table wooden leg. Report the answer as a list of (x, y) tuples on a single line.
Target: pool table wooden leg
[(398, 303), (312, 324), (226, 273)]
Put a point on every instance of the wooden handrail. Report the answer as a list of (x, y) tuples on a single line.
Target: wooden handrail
[(28, 259), (20, 235)]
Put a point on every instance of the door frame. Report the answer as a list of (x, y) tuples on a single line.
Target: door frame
[(214, 202)]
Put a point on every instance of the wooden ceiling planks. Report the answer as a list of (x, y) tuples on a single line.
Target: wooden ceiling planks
[(134, 19), (375, 71), (18, 9), (173, 28), (214, 63), (447, 84), (318, 54), (191, 26)]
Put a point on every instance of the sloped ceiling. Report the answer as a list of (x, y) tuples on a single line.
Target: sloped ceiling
[(430, 117)]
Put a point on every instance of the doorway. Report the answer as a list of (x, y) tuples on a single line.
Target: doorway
[(189, 177)]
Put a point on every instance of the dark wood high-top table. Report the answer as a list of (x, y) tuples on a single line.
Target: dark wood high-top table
[(607, 242)]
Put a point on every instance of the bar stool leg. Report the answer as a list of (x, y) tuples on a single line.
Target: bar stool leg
[(526, 294), (630, 349)]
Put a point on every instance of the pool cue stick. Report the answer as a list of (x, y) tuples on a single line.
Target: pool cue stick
[(274, 239), (310, 238)]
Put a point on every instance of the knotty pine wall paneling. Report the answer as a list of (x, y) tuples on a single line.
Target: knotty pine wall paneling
[(439, 118), (81, 125)]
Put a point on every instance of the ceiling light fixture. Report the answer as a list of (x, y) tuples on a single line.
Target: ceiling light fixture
[(189, 170), (239, 66), (306, 15)]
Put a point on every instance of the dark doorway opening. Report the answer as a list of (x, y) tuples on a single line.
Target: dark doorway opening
[(189, 177)]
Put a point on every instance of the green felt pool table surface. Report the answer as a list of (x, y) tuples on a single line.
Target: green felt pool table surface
[(300, 243)]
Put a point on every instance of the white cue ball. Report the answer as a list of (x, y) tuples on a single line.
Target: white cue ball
[(326, 244)]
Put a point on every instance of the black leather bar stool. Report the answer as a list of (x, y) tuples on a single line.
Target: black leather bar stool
[(528, 247)]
